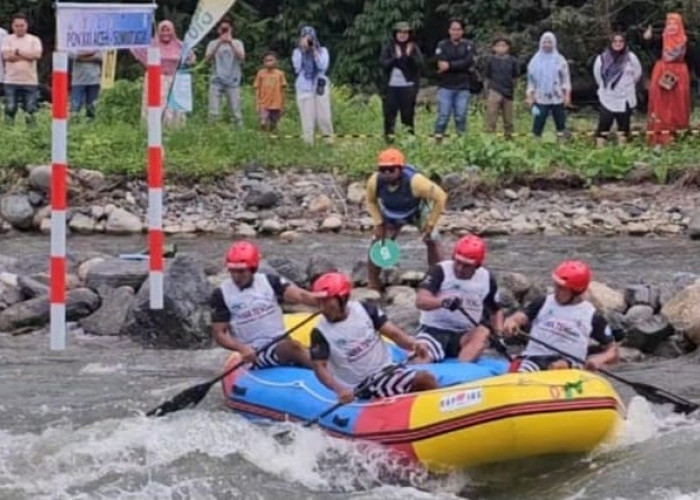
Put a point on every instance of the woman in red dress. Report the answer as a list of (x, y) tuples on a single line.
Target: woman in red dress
[(669, 88)]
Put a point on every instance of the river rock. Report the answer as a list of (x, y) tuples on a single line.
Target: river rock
[(647, 335), (318, 265), (412, 278), (320, 204), (40, 178), (367, 294), (45, 226), (642, 295), (116, 273), (7, 262), (359, 273), (683, 313), (332, 223), (403, 296), (9, 295), (36, 312), (120, 221), (110, 317), (511, 195), (289, 269), (16, 209), (638, 314), (356, 193), (272, 226), (87, 266), (694, 226), (91, 179), (406, 318), (261, 197), (82, 224), (289, 236), (605, 298), (185, 320), (245, 230), (31, 287), (517, 283)]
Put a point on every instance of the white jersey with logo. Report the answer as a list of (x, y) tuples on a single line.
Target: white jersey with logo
[(355, 350), (566, 327), (255, 314), (473, 293)]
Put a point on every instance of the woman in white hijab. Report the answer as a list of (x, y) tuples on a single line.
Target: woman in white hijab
[(548, 86)]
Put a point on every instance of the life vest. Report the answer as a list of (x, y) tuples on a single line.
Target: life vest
[(398, 203)]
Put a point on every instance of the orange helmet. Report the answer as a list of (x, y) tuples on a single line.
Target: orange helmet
[(573, 274), (243, 255), (470, 250), (391, 157)]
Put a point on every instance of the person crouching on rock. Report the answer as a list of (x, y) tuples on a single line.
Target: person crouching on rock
[(348, 353), (397, 195), (451, 289), (246, 312), (566, 321)]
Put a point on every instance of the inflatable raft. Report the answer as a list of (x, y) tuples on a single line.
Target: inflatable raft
[(479, 415)]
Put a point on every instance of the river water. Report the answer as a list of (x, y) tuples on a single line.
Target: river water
[(72, 423)]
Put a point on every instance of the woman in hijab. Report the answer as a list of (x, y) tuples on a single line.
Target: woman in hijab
[(170, 51), (310, 61), (617, 71), (669, 87), (401, 60), (548, 86)]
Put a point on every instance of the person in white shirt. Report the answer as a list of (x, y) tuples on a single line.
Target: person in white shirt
[(617, 71)]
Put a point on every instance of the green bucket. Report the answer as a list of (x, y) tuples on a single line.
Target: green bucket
[(385, 254)]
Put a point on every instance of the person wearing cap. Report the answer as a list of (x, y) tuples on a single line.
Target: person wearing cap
[(246, 312), (458, 304), (401, 60), (565, 320), (397, 195), (348, 353)]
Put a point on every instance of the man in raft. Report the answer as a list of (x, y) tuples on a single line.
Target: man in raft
[(449, 288), (565, 320), (347, 351), (246, 312), (397, 195)]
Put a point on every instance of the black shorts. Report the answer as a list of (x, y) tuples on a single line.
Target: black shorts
[(441, 343), (539, 363)]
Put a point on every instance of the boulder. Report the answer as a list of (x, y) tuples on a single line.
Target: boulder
[(90, 179), (317, 266), (366, 294), (82, 224), (9, 295), (31, 287), (116, 273), (320, 204), (120, 221), (272, 226), (403, 296), (646, 335), (356, 193), (359, 273), (406, 318), (16, 209), (40, 178), (110, 317), (412, 278), (332, 223), (36, 199), (7, 262), (683, 313), (289, 269), (643, 295), (36, 312), (261, 197), (638, 314), (185, 320), (605, 299), (694, 226), (517, 283), (87, 266), (245, 230)]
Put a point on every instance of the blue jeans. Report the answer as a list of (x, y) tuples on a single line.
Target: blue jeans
[(452, 102), (558, 112), (84, 94), (27, 95)]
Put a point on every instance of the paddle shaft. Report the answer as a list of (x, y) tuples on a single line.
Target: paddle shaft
[(496, 341)]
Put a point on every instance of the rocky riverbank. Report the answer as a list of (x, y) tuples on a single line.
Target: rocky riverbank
[(109, 297), (256, 201)]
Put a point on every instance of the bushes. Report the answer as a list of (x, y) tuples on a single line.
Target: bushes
[(116, 142)]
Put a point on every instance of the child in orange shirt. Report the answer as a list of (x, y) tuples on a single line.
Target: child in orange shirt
[(270, 84)]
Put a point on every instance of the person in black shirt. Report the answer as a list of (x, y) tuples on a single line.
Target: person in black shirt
[(501, 74), (455, 60)]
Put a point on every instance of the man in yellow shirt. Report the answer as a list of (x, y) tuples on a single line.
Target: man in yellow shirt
[(397, 195)]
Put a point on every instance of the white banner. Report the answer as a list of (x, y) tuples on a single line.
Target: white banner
[(205, 17), (90, 26)]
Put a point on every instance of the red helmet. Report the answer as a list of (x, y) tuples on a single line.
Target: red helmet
[(243, 255), (470, 250), (573, 274), (332, 285)]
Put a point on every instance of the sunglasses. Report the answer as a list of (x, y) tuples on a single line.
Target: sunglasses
[(389, 169)]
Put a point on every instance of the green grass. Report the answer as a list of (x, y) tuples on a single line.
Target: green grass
[(115, 143)]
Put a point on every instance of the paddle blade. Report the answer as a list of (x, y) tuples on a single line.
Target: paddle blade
[(186, 399), (660, 396)]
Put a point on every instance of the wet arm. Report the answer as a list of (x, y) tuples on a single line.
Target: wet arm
[(424, 188), (400, 338), (223, 337), (324, 375), (297, 295)]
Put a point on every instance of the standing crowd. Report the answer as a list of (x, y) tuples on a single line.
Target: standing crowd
[(460, 76)]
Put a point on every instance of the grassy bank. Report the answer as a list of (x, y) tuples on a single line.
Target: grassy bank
[(115, 143)]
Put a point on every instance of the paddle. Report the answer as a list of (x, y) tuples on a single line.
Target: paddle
[(649, 392), (495, 341), (385, 253), (358, 390), (192, 396)]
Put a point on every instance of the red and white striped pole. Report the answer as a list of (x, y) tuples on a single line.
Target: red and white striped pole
[(155, 180), (59, 167)]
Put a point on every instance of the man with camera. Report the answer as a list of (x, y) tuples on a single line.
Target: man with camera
[(227, 54)]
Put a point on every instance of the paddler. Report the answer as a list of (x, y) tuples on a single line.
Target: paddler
[(449, 288), (566, 321), (347, 350), (397, 195), (246, 312)]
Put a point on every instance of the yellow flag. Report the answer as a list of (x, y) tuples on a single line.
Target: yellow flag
[(109, 69)]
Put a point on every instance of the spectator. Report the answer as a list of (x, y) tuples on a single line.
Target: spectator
[(617, 71), (669, 88), (85, 82), (548, 86), (455, 62), (170, 50), (3, 34), (21, 51), (402, 61), (270, 85), (501, 73), (227, 53), (310, 60)]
